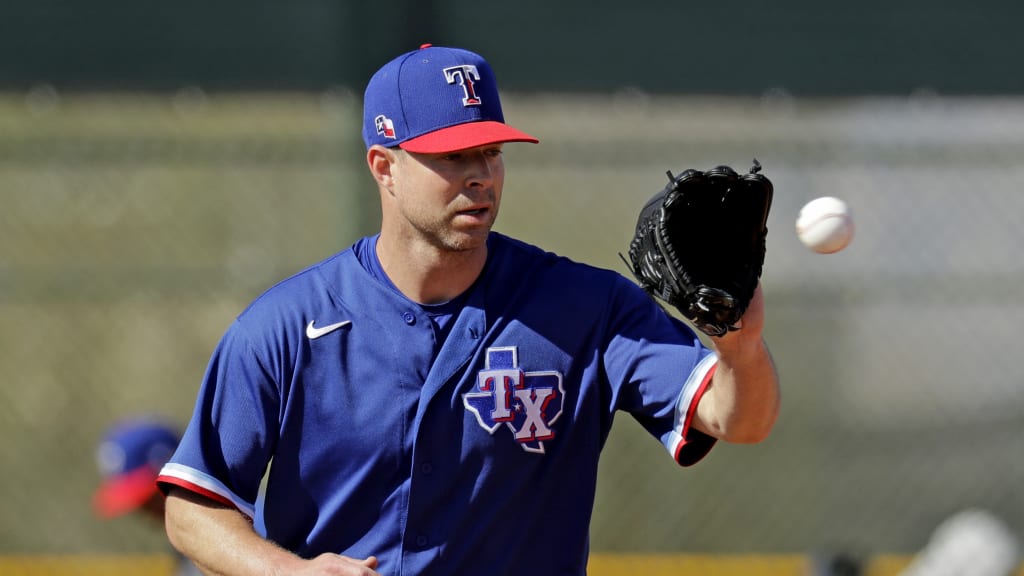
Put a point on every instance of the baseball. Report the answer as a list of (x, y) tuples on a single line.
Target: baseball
[(825, 225)]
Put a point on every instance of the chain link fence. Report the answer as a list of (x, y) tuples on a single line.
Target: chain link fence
[(134, 227)]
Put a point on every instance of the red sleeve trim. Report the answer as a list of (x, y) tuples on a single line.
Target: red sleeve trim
[(695, 444), (692, 409), (165, 483)]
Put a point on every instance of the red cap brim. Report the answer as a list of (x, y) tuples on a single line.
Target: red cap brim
[(126, 493), (463, 136)]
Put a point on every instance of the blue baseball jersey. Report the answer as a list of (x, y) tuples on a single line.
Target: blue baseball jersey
[(477, 454)]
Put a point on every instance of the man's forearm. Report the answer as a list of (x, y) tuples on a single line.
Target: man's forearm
[(220, 539), (743, 400)]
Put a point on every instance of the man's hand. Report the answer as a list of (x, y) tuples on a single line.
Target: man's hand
[(337, 565)]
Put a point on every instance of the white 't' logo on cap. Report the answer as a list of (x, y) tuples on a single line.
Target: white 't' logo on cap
[(464, 76)]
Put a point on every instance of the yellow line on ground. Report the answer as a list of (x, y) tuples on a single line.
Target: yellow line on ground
[(601, 564), (87, 565), (696, 564)]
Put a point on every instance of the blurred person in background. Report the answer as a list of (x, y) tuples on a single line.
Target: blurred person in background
[(129, 457), (970, 542)]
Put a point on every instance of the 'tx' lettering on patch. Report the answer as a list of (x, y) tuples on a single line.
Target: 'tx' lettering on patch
[(528, 403)]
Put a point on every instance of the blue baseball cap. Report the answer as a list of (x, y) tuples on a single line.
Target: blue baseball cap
[(130, 457), (435, 100)]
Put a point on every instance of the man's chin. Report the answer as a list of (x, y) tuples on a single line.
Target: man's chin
[(468, 240)]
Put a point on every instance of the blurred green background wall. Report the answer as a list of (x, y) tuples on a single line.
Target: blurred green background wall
[(162, 165), (706, 46)]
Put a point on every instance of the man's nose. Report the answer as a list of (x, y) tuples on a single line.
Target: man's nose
[(479, 171)]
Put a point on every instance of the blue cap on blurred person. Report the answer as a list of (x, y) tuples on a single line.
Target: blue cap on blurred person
[(129, 457), (436, 100)]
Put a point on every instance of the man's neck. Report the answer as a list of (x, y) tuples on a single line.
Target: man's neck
[(428, 275)]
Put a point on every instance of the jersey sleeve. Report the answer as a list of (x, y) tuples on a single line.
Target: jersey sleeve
[(659, 370), (226, 447)]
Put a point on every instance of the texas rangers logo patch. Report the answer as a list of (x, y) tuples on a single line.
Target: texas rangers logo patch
[(528, 403)]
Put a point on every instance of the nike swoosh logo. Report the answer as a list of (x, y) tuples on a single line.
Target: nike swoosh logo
[(312, 332)]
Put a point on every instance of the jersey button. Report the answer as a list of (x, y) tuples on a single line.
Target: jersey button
[(421, 541), (426, 468), (409, 318)]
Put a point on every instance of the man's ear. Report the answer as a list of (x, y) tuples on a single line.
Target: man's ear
[(381, 162)]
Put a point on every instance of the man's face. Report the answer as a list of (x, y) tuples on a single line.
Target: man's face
[(450, 200)]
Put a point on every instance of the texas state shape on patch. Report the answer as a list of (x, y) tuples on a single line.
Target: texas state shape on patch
[(528, 403)]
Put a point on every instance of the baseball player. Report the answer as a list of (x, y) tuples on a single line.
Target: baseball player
[(129, 457), (434, 398)]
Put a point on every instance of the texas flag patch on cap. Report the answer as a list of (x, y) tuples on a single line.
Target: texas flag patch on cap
[(385, 127)]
